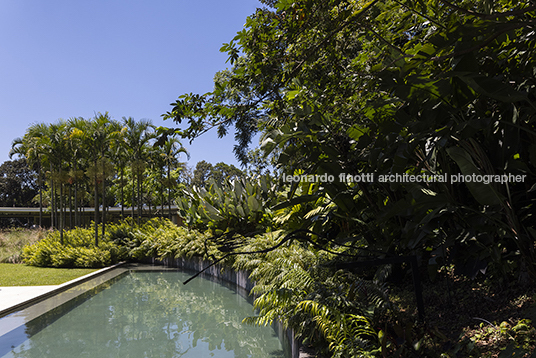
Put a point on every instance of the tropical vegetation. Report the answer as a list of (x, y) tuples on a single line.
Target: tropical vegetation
[(439, 89), (99, 162), (337, 89), (433, 89), (17, 183)]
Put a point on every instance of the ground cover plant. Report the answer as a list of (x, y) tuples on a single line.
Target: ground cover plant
[(74, 248), (122, 241), (13, 240)]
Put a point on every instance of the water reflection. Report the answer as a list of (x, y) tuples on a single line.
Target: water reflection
[(151, 314)]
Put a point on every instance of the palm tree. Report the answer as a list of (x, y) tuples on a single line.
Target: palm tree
[(32, 147), (120, 157), (172, 148), (137, 136), (97, 135), (112, 131), (58, 157), (76, 175), (154, 178)]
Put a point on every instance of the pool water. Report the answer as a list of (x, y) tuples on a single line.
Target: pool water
[(147, 314)]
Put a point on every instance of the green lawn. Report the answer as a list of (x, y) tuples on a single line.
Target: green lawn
[(23, 275)]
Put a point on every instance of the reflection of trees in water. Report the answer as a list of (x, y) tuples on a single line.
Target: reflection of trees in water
[(148, 314)]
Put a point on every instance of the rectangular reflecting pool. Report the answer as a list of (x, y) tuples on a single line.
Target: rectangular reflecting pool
[(140, 313)]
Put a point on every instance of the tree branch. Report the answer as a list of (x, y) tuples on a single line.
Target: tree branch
[(291, 235), (328, 37), (438, 24), (489, 16), (481, 45)]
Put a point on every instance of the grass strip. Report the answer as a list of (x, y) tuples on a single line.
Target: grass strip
[(23, 275)]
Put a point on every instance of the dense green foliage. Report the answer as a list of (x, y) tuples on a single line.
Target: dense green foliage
[(241, 205), (384, 88), (18, 186), (125, 240), (77, 250), (369, 89), (163, 239), (205, 171), (332, 309), (100, 162)]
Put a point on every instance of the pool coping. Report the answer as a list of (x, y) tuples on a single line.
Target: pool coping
[(54, 291)]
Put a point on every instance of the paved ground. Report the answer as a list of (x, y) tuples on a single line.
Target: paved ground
[(11, 296)]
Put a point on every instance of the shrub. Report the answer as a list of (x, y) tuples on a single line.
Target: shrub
[(78, 250), (163, 239), (158, 238), (294, 284)]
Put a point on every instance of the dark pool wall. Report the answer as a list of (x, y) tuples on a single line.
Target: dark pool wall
[(239, 278)]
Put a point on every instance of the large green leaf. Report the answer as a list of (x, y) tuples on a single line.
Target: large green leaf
[(253, 204), (492, 88), (485, 194), (295, 201), (238, 189), (214, 213)]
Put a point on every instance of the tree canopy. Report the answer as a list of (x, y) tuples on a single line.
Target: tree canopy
[(18, 185), (393, 87), (204, 171)]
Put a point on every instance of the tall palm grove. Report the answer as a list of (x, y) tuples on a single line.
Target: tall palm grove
[(100, 162)]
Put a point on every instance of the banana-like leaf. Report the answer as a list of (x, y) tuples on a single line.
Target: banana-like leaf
[(238, 189), (295, 201), (253, 204), (485, 194), (492, 88), (214, 213)]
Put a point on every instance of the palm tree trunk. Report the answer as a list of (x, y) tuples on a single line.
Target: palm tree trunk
[(122, 195), (53, 213), (52, 203), (61, 214), (162, 202), (96, 216), (103, 198), (140, 205), (40, 198), (169, 190), (133, 195), (70, 206), (76, 216)]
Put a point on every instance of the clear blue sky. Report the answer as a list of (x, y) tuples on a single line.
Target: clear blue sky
[(73, 58)]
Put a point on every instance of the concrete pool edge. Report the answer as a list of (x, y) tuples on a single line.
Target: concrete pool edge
[(56, 289), (238, 277)]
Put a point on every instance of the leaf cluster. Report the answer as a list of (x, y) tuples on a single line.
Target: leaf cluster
[(241, 205)]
